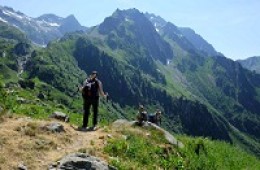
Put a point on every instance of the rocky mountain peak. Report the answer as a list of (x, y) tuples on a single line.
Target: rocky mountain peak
[(132, 12), (132, 26), (43, 29), (70, 24), (157, 21), (51, 18)]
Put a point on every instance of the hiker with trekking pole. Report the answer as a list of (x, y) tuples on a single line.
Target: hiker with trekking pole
[(91, 90)]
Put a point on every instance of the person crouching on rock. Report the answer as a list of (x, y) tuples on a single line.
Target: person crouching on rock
[(141, 116), (156, 117)]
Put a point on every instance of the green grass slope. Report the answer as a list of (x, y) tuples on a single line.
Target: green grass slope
[(146, 149)]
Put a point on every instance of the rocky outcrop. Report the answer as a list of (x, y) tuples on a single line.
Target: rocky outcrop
[(123, 124), (60, 116), (169, 137), (21, 166), (80, 161), (54, 127)]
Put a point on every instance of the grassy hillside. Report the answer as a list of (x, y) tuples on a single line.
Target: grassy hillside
[(142, 151), (131, 148)]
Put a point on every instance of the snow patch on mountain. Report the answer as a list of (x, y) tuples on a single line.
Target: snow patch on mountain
[(40, 30), (47, 24), (11, 14), (54, 24), (127, 20), (28, 18), (1, 19), (168, 61), (156, 28)]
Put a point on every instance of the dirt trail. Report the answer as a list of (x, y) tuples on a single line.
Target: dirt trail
[(22, 140)]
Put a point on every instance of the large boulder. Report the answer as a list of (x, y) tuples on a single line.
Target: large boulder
[(169, 137), (60, 116), (80, 161), (123, 124)]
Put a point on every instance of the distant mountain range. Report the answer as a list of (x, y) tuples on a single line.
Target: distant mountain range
[(43, 29), (141, 58), (252, 63)]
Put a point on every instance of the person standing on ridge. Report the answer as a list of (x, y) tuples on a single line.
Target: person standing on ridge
[(91, 89)]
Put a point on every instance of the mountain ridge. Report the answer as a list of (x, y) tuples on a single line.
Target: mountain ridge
[(38, 30), (251, 63), (194, 41)]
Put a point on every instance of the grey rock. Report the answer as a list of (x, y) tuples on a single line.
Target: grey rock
[(54, 127), (122, 123), (26, 119), (60, 116), (169, 137), (21, 166), (81, 161), (109, 136), (53, 166), (21, 100)]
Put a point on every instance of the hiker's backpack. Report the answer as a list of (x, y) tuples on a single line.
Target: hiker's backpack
[(152, 118), (90, 89)]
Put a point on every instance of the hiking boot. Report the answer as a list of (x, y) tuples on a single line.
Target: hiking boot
[(94, 128), (83, 128)]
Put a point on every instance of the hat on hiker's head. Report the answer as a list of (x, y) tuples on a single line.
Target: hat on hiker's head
[(141, 106), (94, 72)]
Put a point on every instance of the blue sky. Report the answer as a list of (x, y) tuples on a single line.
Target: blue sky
[(231, 26)]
